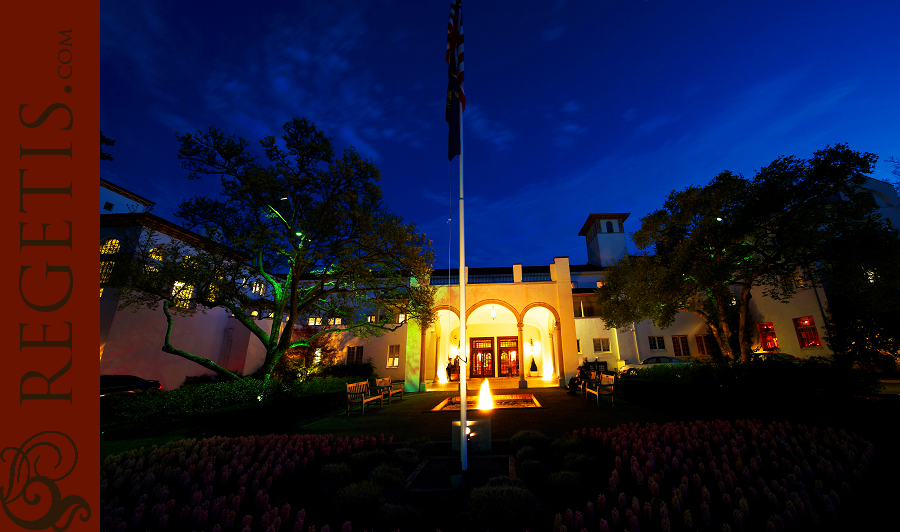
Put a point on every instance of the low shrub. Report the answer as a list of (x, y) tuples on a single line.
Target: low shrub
[(531, 438), (501, 508), (526, 453)]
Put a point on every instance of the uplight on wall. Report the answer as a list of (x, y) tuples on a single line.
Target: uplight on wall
[(493, 313)]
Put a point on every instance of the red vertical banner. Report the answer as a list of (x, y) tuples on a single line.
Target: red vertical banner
[(49, 384)]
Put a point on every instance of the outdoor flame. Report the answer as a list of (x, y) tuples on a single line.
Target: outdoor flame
[(485, 399)]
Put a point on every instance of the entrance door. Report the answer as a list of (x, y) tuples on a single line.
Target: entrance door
[(482, 357), (508, 348)]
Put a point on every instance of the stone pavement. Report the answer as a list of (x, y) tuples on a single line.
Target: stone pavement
[(412, 417)]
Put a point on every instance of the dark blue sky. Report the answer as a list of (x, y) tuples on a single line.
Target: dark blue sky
[(573, 107)]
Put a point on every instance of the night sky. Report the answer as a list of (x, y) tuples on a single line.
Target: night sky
[(573, 107)]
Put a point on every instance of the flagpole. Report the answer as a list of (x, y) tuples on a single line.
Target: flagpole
[(463, 341)]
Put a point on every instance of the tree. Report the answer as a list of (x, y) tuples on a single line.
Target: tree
[(105, 141), (304, 237), (863, 313), (893, 161), (714, 244)]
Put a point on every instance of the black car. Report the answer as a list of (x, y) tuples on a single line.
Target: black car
[(117, 384)]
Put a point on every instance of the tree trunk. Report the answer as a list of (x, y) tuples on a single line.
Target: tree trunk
[(743, 332)]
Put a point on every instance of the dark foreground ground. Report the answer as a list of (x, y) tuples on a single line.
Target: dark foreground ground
[(876, 418)]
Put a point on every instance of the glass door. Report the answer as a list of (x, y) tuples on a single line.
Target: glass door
[(482, 357), (508, 350)]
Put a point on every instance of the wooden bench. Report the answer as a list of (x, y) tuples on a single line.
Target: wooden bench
[(603, 386), (359, 392), (386, 388)]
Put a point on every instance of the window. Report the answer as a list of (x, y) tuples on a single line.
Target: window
[(258, 288), (107, 206), (371, 319), (355, 354), (401, 318), (601, 345), (657, 343), (315, 321), (680, 346), (806, 332), (588, 309), (318, 358), (182, 294), (574, 284), (798, 280), (393, 360), (334, 321), (578, 346), (106, 268), (609, 227), (703, 345), (767, 339), (109, 247), (600, 284)]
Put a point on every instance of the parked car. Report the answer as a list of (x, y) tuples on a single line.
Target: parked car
[(781, 358), (652, 361), (118, 384)]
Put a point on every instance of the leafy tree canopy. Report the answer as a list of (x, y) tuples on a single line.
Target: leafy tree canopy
[(707, 247), (305, 235)]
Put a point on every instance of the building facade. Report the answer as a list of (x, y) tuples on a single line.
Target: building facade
[(523, 322)]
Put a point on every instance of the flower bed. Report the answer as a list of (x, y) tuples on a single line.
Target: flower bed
[(722, 476), (243, 484)]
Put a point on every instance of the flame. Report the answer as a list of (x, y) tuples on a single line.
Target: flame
[(485, 399)]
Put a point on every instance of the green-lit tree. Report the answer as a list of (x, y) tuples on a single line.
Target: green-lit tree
[(712, 245), (306, 236)]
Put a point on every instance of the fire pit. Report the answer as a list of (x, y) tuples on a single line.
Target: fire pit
[(519, 400)]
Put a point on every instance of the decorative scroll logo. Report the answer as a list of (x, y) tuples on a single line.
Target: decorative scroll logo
[(33, 476)]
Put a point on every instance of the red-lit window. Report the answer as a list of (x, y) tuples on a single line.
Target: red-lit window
[(680, 346), (806, 332), (767, 339), (702, 345)]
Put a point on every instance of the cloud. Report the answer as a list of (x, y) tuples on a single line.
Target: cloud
[(648, 126), (485, 129), (571, 106), (364, 148)]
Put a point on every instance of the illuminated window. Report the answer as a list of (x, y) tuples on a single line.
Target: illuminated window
[(578, 346), (318, 358), (106, 268), (401, 318), (600, 284), (355, 354), (335, 321), (110, 246), (315, 321), (806, 332), (393, 360), (371, 319), (703, 345), (657, 343), (182, 293), (870, 275), (601, 345), (680, 346), (258, 288), (798, 280), (767, 339)]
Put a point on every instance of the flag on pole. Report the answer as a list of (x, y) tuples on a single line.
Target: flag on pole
[(456, 97)]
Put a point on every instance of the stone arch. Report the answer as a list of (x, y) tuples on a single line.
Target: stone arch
[(541, 304), (500, 302), (451, 308)]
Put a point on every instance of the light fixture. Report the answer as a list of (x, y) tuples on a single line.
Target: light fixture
[(493, 313)]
